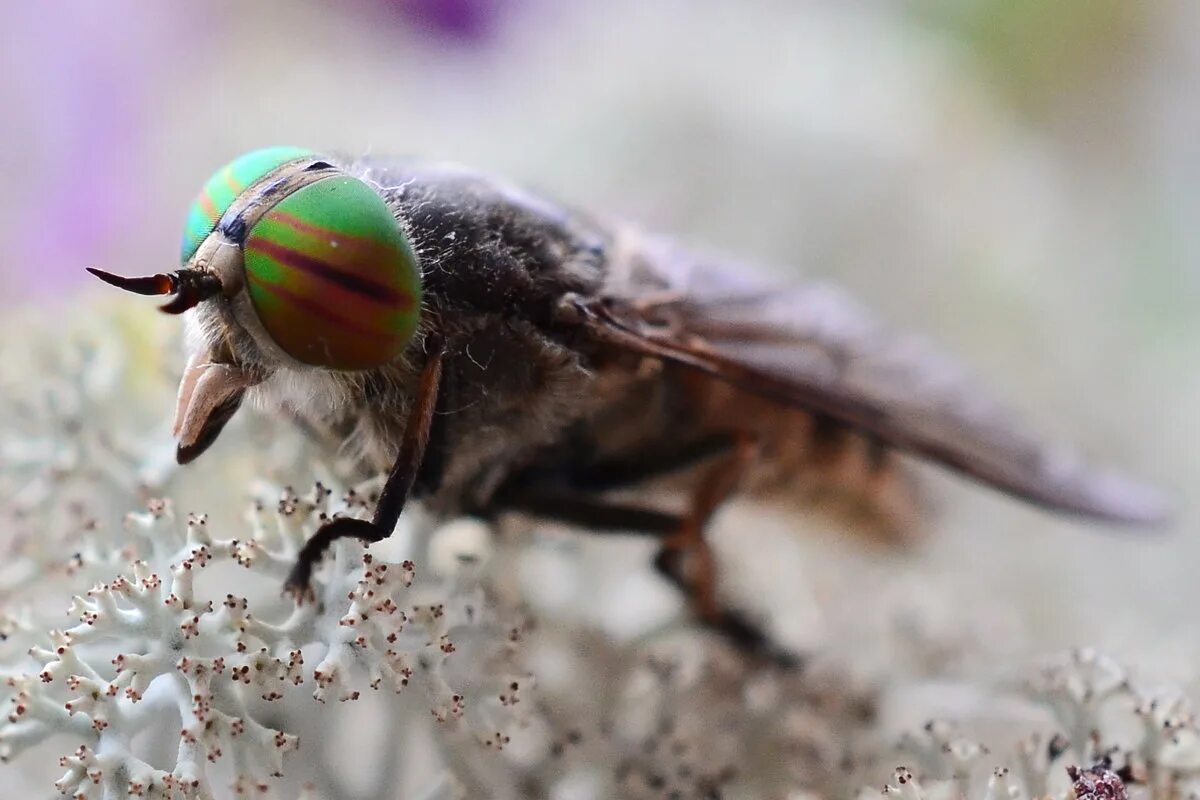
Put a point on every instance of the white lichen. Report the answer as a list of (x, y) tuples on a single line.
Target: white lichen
[(180, 670), (1104, 730), (153, 650), (439, 665)]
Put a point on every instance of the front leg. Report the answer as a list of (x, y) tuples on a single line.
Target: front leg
[(395, 492)]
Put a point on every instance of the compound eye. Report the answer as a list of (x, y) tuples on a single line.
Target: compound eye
[(223, 188), (332, 277)]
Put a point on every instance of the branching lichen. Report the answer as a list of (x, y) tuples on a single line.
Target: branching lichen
[(151, 646), (427, 667), (1106, 735)]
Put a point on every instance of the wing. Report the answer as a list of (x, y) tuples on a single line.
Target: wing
[(814, 348)]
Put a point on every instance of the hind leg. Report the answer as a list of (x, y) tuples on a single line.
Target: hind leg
[(685, 557)]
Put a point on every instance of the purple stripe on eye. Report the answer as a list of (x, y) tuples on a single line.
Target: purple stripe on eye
[(364, 287), (320, 310)]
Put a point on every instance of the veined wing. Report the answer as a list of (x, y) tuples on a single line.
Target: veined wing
[(813, 347)]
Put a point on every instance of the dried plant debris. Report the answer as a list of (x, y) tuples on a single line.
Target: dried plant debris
[(1097, 783)]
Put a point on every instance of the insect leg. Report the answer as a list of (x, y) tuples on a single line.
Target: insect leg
[(433, 465), (686, 557), (687, 542), (395, 491)]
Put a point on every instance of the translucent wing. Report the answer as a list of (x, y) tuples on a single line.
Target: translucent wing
[(816, 349)]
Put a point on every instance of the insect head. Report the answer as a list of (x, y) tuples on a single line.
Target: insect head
[(327, 269)]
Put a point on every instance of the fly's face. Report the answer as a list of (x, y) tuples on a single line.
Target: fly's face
[(316, 267), (290, 263)]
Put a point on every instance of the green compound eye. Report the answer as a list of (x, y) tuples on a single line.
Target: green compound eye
[(332, 276), (223, 188)]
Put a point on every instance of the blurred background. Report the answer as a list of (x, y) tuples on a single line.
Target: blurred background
[(1018, 179)]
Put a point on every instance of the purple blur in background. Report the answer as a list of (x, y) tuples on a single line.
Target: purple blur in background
[(89, 81), (465, 21), (82, 83)]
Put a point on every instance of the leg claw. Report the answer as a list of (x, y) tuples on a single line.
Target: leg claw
[(298, 585), (751, 639)]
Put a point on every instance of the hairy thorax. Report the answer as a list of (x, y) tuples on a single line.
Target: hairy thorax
[(510, 392)]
